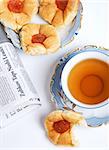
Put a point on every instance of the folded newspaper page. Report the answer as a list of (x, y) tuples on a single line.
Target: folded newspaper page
[(17, 93)]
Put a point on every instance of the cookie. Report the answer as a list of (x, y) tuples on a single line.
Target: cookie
[(39, 39), (59, 12), (60, 126), (16, 13)]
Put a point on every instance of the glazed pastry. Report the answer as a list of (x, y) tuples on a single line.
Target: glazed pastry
[(58, 12), (60, 126), (16, 13), (39, 39)]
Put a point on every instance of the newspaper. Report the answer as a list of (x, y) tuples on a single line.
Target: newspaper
[(17, 93)]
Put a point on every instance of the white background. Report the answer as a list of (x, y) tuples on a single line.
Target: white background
[(29, 132)]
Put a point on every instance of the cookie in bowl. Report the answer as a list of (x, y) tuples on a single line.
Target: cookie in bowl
[(39, 39), (16, 13), (59, 12), (60, 126)]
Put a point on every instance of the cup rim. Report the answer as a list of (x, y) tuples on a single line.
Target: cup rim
[(70, 64)]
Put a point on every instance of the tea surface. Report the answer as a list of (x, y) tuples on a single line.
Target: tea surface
[(88, 81)]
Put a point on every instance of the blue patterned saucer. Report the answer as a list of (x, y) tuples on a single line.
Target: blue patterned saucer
[(94, 118), (74, 28)]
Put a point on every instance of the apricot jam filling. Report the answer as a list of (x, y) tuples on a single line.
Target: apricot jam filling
[(61, 4), (15, 6), (38, 38), (61, 126)]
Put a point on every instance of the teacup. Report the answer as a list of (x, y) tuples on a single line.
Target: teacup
[(70, 65)]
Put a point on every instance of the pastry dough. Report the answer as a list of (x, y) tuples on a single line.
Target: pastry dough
[(16, 13), (39, 39), (60, 126), (59, 12)]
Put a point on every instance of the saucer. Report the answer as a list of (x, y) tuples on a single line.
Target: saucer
[(95, 117)]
